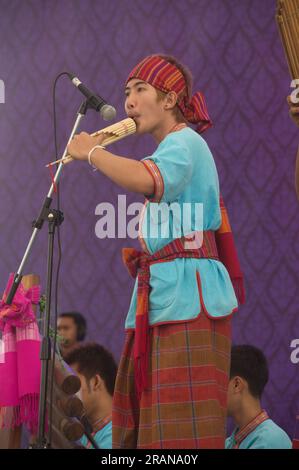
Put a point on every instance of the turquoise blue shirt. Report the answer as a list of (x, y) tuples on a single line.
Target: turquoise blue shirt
[(189, 175), (103, 438), (266, 435)]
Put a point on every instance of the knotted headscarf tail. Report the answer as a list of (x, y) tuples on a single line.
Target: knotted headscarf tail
[(167, 77), (228, 253)]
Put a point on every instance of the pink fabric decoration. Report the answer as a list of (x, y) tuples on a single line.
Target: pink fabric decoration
[(19, 359)]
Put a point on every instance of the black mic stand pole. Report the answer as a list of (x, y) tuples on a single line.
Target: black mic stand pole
[(88, 429), (91, 440), (54, 219)]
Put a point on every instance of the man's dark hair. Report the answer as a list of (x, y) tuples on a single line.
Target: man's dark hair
[(79, 321), (92, 359), (250, 363)]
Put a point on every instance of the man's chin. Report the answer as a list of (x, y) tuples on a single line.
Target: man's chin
[(141, 129), (137, 127)]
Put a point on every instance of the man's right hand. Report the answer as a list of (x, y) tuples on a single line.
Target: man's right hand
[(294, 110)]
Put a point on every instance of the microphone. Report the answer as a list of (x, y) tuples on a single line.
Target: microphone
[(107, 111)]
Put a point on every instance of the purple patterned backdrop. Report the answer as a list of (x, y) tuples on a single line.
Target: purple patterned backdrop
[(234, 51)]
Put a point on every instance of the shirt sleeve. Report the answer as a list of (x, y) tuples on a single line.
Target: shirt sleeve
[(171, 168)]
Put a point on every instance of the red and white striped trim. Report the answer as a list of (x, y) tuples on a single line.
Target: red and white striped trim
[(154, 171), (250, 427)]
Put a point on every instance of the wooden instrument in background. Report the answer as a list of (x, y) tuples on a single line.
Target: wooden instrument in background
[(66, 407), (287, 17)]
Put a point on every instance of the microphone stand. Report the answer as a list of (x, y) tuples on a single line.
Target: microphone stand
[(91, 440), (88, 430), (54, 219)]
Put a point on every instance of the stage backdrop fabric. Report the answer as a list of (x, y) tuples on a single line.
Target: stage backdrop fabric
[(234, 51)]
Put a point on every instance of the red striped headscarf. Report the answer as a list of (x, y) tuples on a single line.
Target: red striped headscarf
[(166, 77)]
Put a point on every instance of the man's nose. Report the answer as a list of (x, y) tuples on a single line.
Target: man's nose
[(131, 102)]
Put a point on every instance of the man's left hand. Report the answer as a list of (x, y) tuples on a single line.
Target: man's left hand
[(82, 143), (294, 110)]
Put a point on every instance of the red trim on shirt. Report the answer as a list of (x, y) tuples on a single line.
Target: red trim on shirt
[(154, 171), (245, 431), (203, 304), (98, 426)]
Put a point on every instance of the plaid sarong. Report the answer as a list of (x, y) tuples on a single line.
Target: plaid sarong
[(184, 406)]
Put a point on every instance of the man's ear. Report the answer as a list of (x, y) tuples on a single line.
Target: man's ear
[(238, 384), (171, 100), (98, 382)]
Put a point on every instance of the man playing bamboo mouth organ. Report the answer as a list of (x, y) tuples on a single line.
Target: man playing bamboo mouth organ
[(294, 113), (171, 386), (96, 369)]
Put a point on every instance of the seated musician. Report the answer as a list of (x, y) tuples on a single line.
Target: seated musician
[(96, 369), (294, 113), (248, 377), (71, 326)]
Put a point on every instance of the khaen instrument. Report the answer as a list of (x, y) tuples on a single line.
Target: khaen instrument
[(115, 132), (287, 18)]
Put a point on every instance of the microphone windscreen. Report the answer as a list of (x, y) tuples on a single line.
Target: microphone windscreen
[(108, 112)]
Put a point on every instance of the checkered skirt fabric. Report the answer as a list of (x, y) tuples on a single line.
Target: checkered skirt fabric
[(184, 406)]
